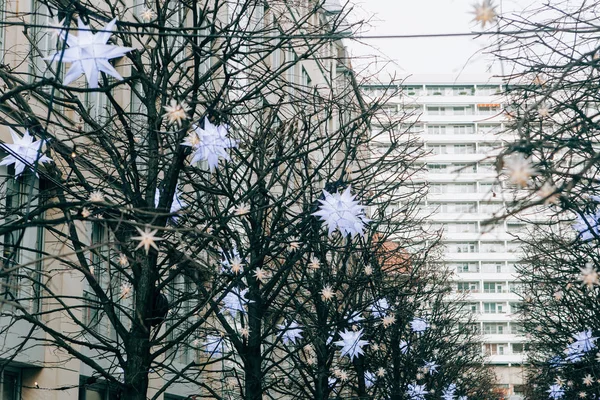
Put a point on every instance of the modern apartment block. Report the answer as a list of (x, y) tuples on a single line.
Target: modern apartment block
[(462, 125)]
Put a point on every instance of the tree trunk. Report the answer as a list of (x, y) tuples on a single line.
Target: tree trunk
[(138, 344)]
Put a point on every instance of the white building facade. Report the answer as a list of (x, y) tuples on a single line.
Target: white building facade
[(462, 125)]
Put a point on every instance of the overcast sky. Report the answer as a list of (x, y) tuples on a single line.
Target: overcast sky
[(455, 55)]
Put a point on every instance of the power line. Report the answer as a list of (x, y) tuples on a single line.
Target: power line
[(177, 32)]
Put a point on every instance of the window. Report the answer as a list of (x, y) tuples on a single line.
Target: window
[(472, 308), (493, 268), (291, 59), (455, 208), (464, 168), (306, 81), (10, 385), (495, 328), (489, 128), (464, 149), (487, 168), (517, 329), (463, 188), (437, 168), (494, 308), (515, 287), (98, 261), (494, 287), (515, 307), (463, 90), (461, 227), (96, 391), (176, 19), (463, 129), (467, 267), (436, 90), (45, 42), (486, 90), (467, 287), (488, 109), (412, 90), (462, 247), (463, 110), (491, 208), (436, 129), (492, 247), (436, 110), (438, 148), (276, 55), (20, 246)]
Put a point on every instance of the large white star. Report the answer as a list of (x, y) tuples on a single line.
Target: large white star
[(210, 144), (291, 332), (23, 152), (342, 212), (89, 53), (351, 343)]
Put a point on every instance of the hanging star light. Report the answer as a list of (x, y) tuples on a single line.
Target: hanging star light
[(235, 301), (449, 392), (213, 344), (147, 239), (485, 13), (342, 212), (351, 343), (419, 325), (89, 54), (24, 152), (291, 332), (380, 308), (416, 392), (210, 143)]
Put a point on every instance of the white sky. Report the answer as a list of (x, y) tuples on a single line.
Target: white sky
[(454, 56)]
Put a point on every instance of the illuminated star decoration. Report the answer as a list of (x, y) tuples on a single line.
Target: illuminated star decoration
[(213, 344), (176, 205), (380, 308), (369, 379), (419, 325), (89, 54), (485, 13), (587, 225), (403, 346), (431, 367), (556, 392), (147, 238), (416, 392), (210, 143), (235, 301), (291, 332), (342, 212), (448, 393), (583, 343), (519, 170), (351, 343), (23, 152)]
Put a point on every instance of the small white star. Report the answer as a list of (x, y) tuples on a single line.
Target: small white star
[(147, 238), (176, 112), (314, 263), (327, 293), (96, 197), (236, 265), (485, 13), (147, 14), (261, 275), (125, 289), (242, 209), (123, 261)]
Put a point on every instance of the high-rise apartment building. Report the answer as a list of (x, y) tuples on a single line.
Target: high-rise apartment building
[(462, 125)]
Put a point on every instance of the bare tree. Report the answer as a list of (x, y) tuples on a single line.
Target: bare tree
[(160, 274), (550, 54)]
